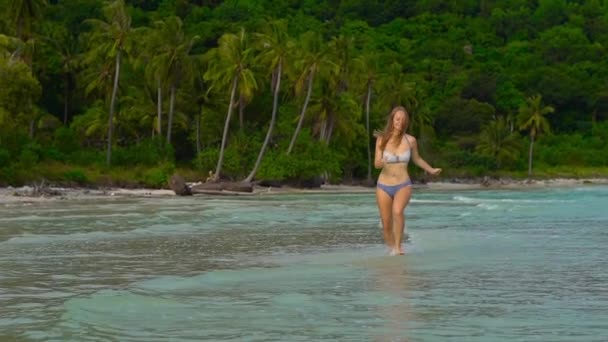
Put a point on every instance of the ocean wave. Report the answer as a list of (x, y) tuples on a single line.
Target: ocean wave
[(478, 200)]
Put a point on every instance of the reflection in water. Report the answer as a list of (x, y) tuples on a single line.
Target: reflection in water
[(392, 278), (391, 289)]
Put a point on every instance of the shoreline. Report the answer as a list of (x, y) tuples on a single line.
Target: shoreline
[(28, 194)]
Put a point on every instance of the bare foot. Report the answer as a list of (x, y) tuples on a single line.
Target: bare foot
[(400, 251)]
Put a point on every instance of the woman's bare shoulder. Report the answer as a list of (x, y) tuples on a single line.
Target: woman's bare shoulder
[(410, 138)]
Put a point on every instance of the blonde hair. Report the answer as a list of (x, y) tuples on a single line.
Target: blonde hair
[(388, 129)]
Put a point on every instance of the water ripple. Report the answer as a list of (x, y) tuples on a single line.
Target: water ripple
[(481, 266)]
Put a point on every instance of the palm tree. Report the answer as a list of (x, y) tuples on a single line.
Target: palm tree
[(66, 46), (334, 112), (172, 62), (97, 76), (275, 45), (109, 38), (497, 141), (139, 107), (397, 89), (600, 103), (10, 47), (367, 66), (92, 123), (229, 64), (532, 117), (24, 14), (150, 43), (200, 97), (341, 48), (22, 88), (311, 59)]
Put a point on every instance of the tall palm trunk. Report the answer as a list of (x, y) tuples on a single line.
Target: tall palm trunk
[(270, 126), (218, 169), (530, 151), (323, 130), (241, 112), (112, 105), (66, 94), (20, 28), (32, 127), (330, 128), (198, 132), (303, 112), (369, 149), (170, 120), (159, 108)]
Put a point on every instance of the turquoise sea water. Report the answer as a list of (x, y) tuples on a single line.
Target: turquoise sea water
[(527, 265)]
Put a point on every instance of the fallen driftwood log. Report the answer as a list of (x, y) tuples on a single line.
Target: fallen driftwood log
[(41, 189), (181, 188), (178, 184), (222, 186)]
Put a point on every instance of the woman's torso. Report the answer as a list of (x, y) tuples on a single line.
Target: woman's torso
[(396, 157)]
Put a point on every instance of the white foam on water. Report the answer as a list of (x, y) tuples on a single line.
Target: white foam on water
[(152, 230), (487, 206), (466, 199), (54, 217)]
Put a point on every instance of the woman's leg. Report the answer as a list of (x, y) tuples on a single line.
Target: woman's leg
[(385, 204), (402, 198)]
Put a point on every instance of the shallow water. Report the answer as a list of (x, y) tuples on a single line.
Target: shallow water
[(481, 266)]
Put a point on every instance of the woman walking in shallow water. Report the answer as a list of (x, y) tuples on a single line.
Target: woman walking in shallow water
[(394, 149)]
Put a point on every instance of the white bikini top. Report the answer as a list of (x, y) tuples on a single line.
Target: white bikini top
[(392, 158)]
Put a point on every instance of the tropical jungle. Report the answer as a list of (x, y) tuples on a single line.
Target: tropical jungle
[(128, 92)]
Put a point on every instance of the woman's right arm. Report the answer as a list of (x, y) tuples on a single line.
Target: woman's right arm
[(378, 161)]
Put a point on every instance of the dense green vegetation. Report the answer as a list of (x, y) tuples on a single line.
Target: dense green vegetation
[(126, 93)]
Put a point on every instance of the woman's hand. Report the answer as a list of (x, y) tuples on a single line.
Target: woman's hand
[(434, 171)]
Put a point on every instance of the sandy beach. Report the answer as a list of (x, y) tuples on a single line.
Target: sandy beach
[(28, 194)]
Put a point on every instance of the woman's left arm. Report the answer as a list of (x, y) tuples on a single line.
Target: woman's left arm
[(418, 160)]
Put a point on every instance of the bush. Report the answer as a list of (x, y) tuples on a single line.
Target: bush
[(600, 131), (311, 160), (459, 116), (239, 156), (65, 140), (28, 158), (205, 161), (86, 157), (279, 166), (14, 140), (76, 175), (231, 167), (467, 159), (52, 153), (572, 149), (148, 152), (5, 157), (8, 175), (157, 177)]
